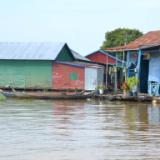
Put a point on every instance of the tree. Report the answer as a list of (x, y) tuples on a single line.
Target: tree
[(120, 36)]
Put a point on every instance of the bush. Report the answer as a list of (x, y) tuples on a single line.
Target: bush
[(132, 82), (101, 87)]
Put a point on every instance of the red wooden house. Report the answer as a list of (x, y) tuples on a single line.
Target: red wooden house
[(110, 62), (76, 75), (68, 76), (102, 57)]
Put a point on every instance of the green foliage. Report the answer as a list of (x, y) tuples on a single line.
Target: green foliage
[(120, 36), (101, 87), (131, 82)]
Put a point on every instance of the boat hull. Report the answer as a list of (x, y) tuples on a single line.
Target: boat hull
[(21, 95)]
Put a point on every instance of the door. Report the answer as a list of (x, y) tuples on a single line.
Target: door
[(144, 70), (100, 76), (90, 78)]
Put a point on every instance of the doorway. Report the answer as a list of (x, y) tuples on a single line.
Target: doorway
[(144, 71)]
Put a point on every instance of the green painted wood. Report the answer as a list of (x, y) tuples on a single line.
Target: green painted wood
[(25, 74), (38, 74), (73, 76), (65, 55), (11, 74)]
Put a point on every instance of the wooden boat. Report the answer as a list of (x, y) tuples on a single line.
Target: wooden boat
[(43, 95)]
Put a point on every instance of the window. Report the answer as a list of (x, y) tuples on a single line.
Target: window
[(73, 76)]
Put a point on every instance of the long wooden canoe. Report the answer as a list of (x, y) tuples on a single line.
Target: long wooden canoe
[(41, 95)]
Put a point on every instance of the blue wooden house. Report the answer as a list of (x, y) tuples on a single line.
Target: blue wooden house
[(143, 61)]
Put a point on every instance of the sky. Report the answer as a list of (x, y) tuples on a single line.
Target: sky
[(80, 23)]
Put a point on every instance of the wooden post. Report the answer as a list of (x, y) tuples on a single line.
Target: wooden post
[(124, 66), (138, 68), (115, 77), (139, 63), (106, 71), (127, 63)]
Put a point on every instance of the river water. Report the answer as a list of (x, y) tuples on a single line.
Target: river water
[(79, 130)]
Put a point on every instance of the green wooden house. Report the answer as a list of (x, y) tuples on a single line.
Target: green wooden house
[(30, 65)]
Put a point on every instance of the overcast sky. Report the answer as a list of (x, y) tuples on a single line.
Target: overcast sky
[(80, 23)]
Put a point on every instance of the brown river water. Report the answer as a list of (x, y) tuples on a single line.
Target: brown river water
[(79, 130)]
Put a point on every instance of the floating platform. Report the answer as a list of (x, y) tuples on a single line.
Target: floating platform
[(121, 97)]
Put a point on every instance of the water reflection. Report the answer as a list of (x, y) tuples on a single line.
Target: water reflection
[(72, 130), (139, 116), (154, 114), (136, 116)]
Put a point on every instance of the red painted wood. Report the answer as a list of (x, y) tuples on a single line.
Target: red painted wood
[(101, 58), (61, 77)]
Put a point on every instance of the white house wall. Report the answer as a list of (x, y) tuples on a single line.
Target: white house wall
[(90, 78), (100, 76)]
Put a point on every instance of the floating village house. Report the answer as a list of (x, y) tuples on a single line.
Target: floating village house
[(73, 75), (143, 61), (46, 66), (113, 67)]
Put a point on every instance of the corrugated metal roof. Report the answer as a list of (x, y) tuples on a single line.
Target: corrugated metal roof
[(78, 56), (106, 53), (80, 64), (71, 64), (30, 51), (93, 64)]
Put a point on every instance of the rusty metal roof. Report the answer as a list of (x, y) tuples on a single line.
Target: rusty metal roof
[(149, 39)]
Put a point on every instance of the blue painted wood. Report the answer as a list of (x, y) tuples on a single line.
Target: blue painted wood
[(133, 63), (128, 59), (139, 63), (154, 68)]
